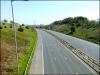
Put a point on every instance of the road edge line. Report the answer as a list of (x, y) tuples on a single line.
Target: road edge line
[(78, 58), (42, 56)]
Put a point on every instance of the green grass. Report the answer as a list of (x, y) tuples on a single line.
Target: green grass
[(30, 61), (24, 57), (91, 34), (26, 42)]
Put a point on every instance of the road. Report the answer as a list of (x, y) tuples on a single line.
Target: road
[(89, 48), (57, 59)]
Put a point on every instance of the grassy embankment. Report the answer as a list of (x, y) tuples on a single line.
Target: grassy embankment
[(79, 26), (91, 34), (26, 41)]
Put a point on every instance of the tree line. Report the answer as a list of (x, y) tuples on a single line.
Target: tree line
[(79, 26)]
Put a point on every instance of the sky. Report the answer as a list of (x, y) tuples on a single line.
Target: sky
[(46, 12)]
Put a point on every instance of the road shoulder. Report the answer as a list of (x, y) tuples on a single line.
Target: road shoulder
[(37, 65)]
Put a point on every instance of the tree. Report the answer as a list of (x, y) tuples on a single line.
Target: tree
[(22, 24), (91, 24), (3, 23), (81, 21), (10, 25), (5, 20), (21, 29), (72, 29), (27, 27), (5, 26), (11, 21), (68, 20), (0, 27)]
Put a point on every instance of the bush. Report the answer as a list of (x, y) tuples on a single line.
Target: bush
[(72, 29), (0, 27), (5, 20), (10, 25), (20, 29), (27, 27), (5, 27), (22, 24), (3, 23)]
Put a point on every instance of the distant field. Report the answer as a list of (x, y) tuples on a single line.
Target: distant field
[(26, 42)]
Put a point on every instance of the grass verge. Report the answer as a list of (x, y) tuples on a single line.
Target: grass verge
[(25, 56), (25, 42)]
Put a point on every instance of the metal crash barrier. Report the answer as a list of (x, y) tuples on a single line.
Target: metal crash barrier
[(83, 56)]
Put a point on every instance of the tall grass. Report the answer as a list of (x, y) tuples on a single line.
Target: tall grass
[(24, 56), (26, 42)]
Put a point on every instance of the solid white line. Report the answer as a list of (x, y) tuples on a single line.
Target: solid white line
[(55, 58), (78, 58), (42, 57), (77, 73)]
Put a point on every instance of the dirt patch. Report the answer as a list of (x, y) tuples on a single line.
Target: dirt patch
[(8, 58)]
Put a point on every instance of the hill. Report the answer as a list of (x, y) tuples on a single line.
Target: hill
[(26, 39), (79, 26)]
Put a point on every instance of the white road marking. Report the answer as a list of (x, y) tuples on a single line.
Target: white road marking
[(78, 58), (42, 57), (77, 73)]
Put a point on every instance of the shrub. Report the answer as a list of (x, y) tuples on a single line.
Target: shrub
[(3, 23), (22, 24), (5, 27), (11, 21), (20, 29), (27, 27), (72, 30), (0, 27), (5, 20), (10, 25)]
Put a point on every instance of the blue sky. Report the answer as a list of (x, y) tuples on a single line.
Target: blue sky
[(45, 12)]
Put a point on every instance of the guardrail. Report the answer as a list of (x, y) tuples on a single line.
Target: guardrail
[(83, 56)]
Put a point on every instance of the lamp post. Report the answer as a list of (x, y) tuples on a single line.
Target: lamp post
[(15, 40)]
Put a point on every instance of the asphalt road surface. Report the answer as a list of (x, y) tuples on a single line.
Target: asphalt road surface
[(89, 48), (60, 60)]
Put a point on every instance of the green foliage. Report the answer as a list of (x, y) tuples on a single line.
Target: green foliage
[(24, 50), (79, 27), (22, 24), (3, 23), (0, 27), (72, 29), (24, 57), (10, 25), (27, 27), (5, 20), (21, 29), (5, 26), (11, 21)]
